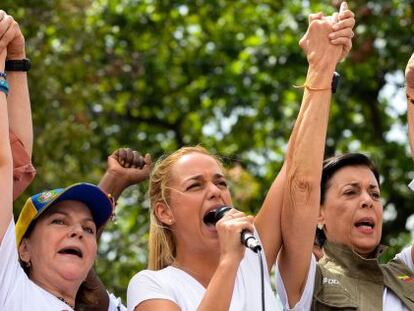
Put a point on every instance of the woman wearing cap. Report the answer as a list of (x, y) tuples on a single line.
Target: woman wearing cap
[(199, 266), (56, 231), (344, 203), (56, 234)]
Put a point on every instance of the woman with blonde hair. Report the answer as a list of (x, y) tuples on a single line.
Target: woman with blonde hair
[(197, 264)]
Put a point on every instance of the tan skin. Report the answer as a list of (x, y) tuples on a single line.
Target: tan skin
[(409, 77), (306, 149), (67, 224), (352, 195)]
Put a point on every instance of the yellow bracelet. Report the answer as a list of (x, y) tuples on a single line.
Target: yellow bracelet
[(310, 88)]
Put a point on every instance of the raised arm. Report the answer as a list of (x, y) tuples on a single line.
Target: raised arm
[(409, 81), (126, 167), (20, 116), (268, 220), (306, 150), (6, 163)]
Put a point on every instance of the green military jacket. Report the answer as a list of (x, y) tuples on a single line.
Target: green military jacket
[(346, 281)]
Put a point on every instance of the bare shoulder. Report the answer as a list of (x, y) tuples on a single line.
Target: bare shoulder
[(157, 304)]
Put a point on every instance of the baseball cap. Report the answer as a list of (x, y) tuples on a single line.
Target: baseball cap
[(92, 196)]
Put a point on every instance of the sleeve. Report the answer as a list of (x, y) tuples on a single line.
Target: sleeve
[(11, 273), (23, 170), (305, 302), (145, 286), (115, 304), (406, 257)]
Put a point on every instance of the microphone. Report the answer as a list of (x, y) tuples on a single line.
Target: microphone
[(246, 237)]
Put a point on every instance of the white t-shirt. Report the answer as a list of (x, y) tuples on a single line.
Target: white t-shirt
[(19, 293), (181, 288), (390, 300)]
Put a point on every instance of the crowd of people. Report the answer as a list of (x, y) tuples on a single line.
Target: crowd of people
[(196, 258)]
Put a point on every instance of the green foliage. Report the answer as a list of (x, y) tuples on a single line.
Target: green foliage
[(156, 75)]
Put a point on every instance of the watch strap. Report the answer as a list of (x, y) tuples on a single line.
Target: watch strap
[(18, 64)]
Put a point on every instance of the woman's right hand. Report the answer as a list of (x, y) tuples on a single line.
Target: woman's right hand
[(229, 230), (327, 41)]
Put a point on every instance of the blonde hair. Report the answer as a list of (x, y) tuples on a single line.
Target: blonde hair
[(161, 244)]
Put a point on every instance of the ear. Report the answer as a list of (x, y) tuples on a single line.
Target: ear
[(321, 217), (24, 250), (164, 214)]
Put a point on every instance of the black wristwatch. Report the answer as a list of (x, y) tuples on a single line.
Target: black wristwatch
[(18, 64), (335, 82)]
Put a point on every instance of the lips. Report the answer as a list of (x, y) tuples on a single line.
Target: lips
[(74, 251), (365, 225)]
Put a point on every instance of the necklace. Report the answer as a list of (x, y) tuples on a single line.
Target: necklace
[(63, 300)]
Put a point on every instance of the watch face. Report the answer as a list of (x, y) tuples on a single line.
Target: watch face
[(18, 64)]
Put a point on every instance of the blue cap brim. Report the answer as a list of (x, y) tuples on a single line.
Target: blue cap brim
[(97, 201)]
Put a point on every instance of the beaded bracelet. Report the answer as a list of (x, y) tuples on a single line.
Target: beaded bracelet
[(3, 75), (4, 87)]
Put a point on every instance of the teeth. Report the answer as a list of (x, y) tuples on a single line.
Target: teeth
[(364, 224)]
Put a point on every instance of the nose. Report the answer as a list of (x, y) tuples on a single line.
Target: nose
[(76, 231), (214, 191), (366, 200)]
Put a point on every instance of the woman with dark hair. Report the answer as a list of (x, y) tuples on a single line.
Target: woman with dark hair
[(341, 197)]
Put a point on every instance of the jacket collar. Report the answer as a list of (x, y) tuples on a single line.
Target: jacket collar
[(344, 259)]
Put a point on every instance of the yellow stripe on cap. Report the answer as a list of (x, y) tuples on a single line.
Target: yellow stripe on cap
[(28, 213)]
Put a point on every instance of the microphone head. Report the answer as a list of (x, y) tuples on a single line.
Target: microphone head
[(219, 213), (212, 217)]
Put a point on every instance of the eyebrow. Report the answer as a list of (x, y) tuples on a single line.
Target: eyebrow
[(356, 184), (200, 177), (67, 215)]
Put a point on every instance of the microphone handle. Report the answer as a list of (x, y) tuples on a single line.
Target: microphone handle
[(250, 241)]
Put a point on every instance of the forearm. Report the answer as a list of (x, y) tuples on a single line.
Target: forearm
[(302, 189), (220, 289), (19, 110), (6, 164), (111, 183), (410, 118)]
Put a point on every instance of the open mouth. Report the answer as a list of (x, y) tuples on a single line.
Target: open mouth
[(211, 217), (71, 251), (365, 223)]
